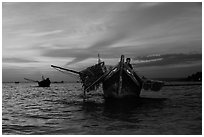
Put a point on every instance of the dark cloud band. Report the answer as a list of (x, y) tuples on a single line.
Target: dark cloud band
[(17, 60), (168, 59)]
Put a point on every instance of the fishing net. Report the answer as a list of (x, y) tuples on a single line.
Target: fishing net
[(91, 74)]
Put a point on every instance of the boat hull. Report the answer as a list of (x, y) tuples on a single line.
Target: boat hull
[(122, 83), (44, 84)]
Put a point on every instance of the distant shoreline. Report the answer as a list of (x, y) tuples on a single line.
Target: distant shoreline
[(54, 82), (171, 79), (161, 79)]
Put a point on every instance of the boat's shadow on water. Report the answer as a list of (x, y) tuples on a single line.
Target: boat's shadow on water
[(125, 106)]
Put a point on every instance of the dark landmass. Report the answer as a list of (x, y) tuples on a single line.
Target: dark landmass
[(196, 77), (170, 79)]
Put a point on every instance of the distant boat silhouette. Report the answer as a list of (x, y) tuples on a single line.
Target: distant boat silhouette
[(43, 83)]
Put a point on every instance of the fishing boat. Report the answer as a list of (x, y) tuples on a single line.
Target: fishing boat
[(43, 83), (119, 82)]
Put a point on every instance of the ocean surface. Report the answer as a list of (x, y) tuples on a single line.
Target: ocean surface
[(61, 110)]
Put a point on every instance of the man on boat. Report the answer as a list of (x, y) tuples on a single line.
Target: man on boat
[(134, 73), (48, 80), (128, 63)]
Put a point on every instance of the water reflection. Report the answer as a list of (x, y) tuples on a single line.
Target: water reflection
[(124, 106), (123, 109)]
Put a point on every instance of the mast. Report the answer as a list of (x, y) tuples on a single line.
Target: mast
[(120, 77), (99, 59)]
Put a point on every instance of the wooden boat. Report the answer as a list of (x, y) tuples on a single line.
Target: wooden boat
[(42, 83), (122, 82), (119, 82)]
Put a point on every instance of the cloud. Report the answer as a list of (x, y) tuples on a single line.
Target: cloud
[(17, 60), (40, 34), (106, 52), (167, 59), (77, 54), (70, 33), (134, 20)]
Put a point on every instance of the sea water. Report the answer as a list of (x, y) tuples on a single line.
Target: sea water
[(61, 110)]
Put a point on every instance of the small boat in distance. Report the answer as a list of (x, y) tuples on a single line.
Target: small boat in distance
[(43, 83)]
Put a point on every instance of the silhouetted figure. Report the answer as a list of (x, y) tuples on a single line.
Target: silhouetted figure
[(134, 73), (128, 63), (43, 78), (48, 80)]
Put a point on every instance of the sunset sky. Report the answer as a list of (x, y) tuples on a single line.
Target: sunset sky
[(162, 39)]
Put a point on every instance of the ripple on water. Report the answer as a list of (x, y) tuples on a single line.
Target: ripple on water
[(60, 109)]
